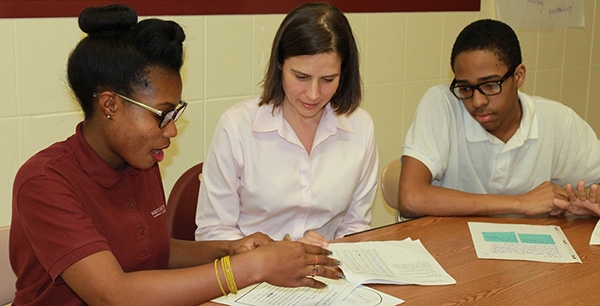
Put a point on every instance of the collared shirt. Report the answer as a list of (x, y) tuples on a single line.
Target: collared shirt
[(552, 144), (258, 177), (68, 204)]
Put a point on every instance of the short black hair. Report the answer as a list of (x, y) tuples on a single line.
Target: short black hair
[(491, 35), (118, 52)]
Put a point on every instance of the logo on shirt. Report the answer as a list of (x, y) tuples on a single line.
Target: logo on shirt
[(159, 211)]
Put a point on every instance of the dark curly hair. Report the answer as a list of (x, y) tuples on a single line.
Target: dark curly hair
[(118, 52)]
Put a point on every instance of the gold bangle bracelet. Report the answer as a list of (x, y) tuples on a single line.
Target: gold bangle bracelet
[(228, 271), (219, 279)]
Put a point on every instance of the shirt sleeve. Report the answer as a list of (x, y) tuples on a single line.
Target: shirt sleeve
[(219, 202), (579, 151), (358, 216), (428, 138), (57, 226)]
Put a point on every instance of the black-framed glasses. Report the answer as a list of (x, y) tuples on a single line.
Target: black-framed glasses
[(486, 88), (165, 117)]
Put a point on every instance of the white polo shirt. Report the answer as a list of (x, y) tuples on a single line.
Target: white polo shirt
[(552, 144)]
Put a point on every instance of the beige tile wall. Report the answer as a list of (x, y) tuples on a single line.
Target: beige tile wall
[(402, 54)]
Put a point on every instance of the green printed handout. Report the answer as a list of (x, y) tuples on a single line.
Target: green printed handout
[(546, 243)]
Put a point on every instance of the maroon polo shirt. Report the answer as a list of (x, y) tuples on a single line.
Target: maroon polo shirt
[(68, 204)]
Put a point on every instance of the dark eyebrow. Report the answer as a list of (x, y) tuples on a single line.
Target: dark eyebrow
[(169, 106), (486, 79), (331, 75), (296, 71), (325, 76)]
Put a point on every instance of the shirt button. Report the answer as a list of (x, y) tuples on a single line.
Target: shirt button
[(307, 191), (142, 231)]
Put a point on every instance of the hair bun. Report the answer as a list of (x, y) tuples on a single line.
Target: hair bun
[(107, 19)]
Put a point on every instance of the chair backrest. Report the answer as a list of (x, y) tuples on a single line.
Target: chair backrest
[(7, 276), (390, 180), (181, 206), (390, 183)]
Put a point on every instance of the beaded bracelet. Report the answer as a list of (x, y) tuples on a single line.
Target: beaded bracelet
[(218, 279), (226, 264)]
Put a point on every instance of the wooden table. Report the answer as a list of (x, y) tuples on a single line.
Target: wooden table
[(495, 282)]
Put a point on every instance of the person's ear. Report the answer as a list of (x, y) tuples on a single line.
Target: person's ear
[(520, 73), (106, 103)]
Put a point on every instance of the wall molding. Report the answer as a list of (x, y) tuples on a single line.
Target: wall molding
[(71, 8)]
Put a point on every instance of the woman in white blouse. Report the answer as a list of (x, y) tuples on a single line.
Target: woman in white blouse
[(301, 160)]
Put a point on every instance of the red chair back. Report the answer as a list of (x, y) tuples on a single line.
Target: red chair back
[(182, 202)]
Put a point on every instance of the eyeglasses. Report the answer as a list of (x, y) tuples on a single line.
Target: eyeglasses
[(165, 117), (487, 88)]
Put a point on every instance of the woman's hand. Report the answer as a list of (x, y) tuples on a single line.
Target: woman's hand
[(293, 264), (248, 243), (314, 238)]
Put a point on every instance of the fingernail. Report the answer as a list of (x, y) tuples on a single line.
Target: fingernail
[(342, 276)]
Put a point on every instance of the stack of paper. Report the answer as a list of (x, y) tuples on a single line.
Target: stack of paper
[(390, 262), (381, 262), (337, 292)]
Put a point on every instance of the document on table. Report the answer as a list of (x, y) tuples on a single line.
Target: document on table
[(595, 239), (546, 243), (337, 292), (375, 262), (389, 262)]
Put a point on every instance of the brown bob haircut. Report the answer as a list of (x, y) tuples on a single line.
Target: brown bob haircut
[(312, 29)]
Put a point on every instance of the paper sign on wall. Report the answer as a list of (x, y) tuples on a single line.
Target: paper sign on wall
[(542, 13)]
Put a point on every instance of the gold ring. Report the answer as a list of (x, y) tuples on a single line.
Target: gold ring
[(314, 271)]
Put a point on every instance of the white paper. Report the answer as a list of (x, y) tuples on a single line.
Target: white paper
[(365, 296), (389, 262), (542, 13), (265, 294), (382, 262), (337, 292), (546, 243), (595, 239)]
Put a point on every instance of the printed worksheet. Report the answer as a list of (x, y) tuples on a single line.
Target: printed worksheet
[(372, 262), (338, 292), (389, 262), (546, 243)]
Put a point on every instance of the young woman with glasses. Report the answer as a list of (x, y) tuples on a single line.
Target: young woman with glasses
[(89, 222)]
